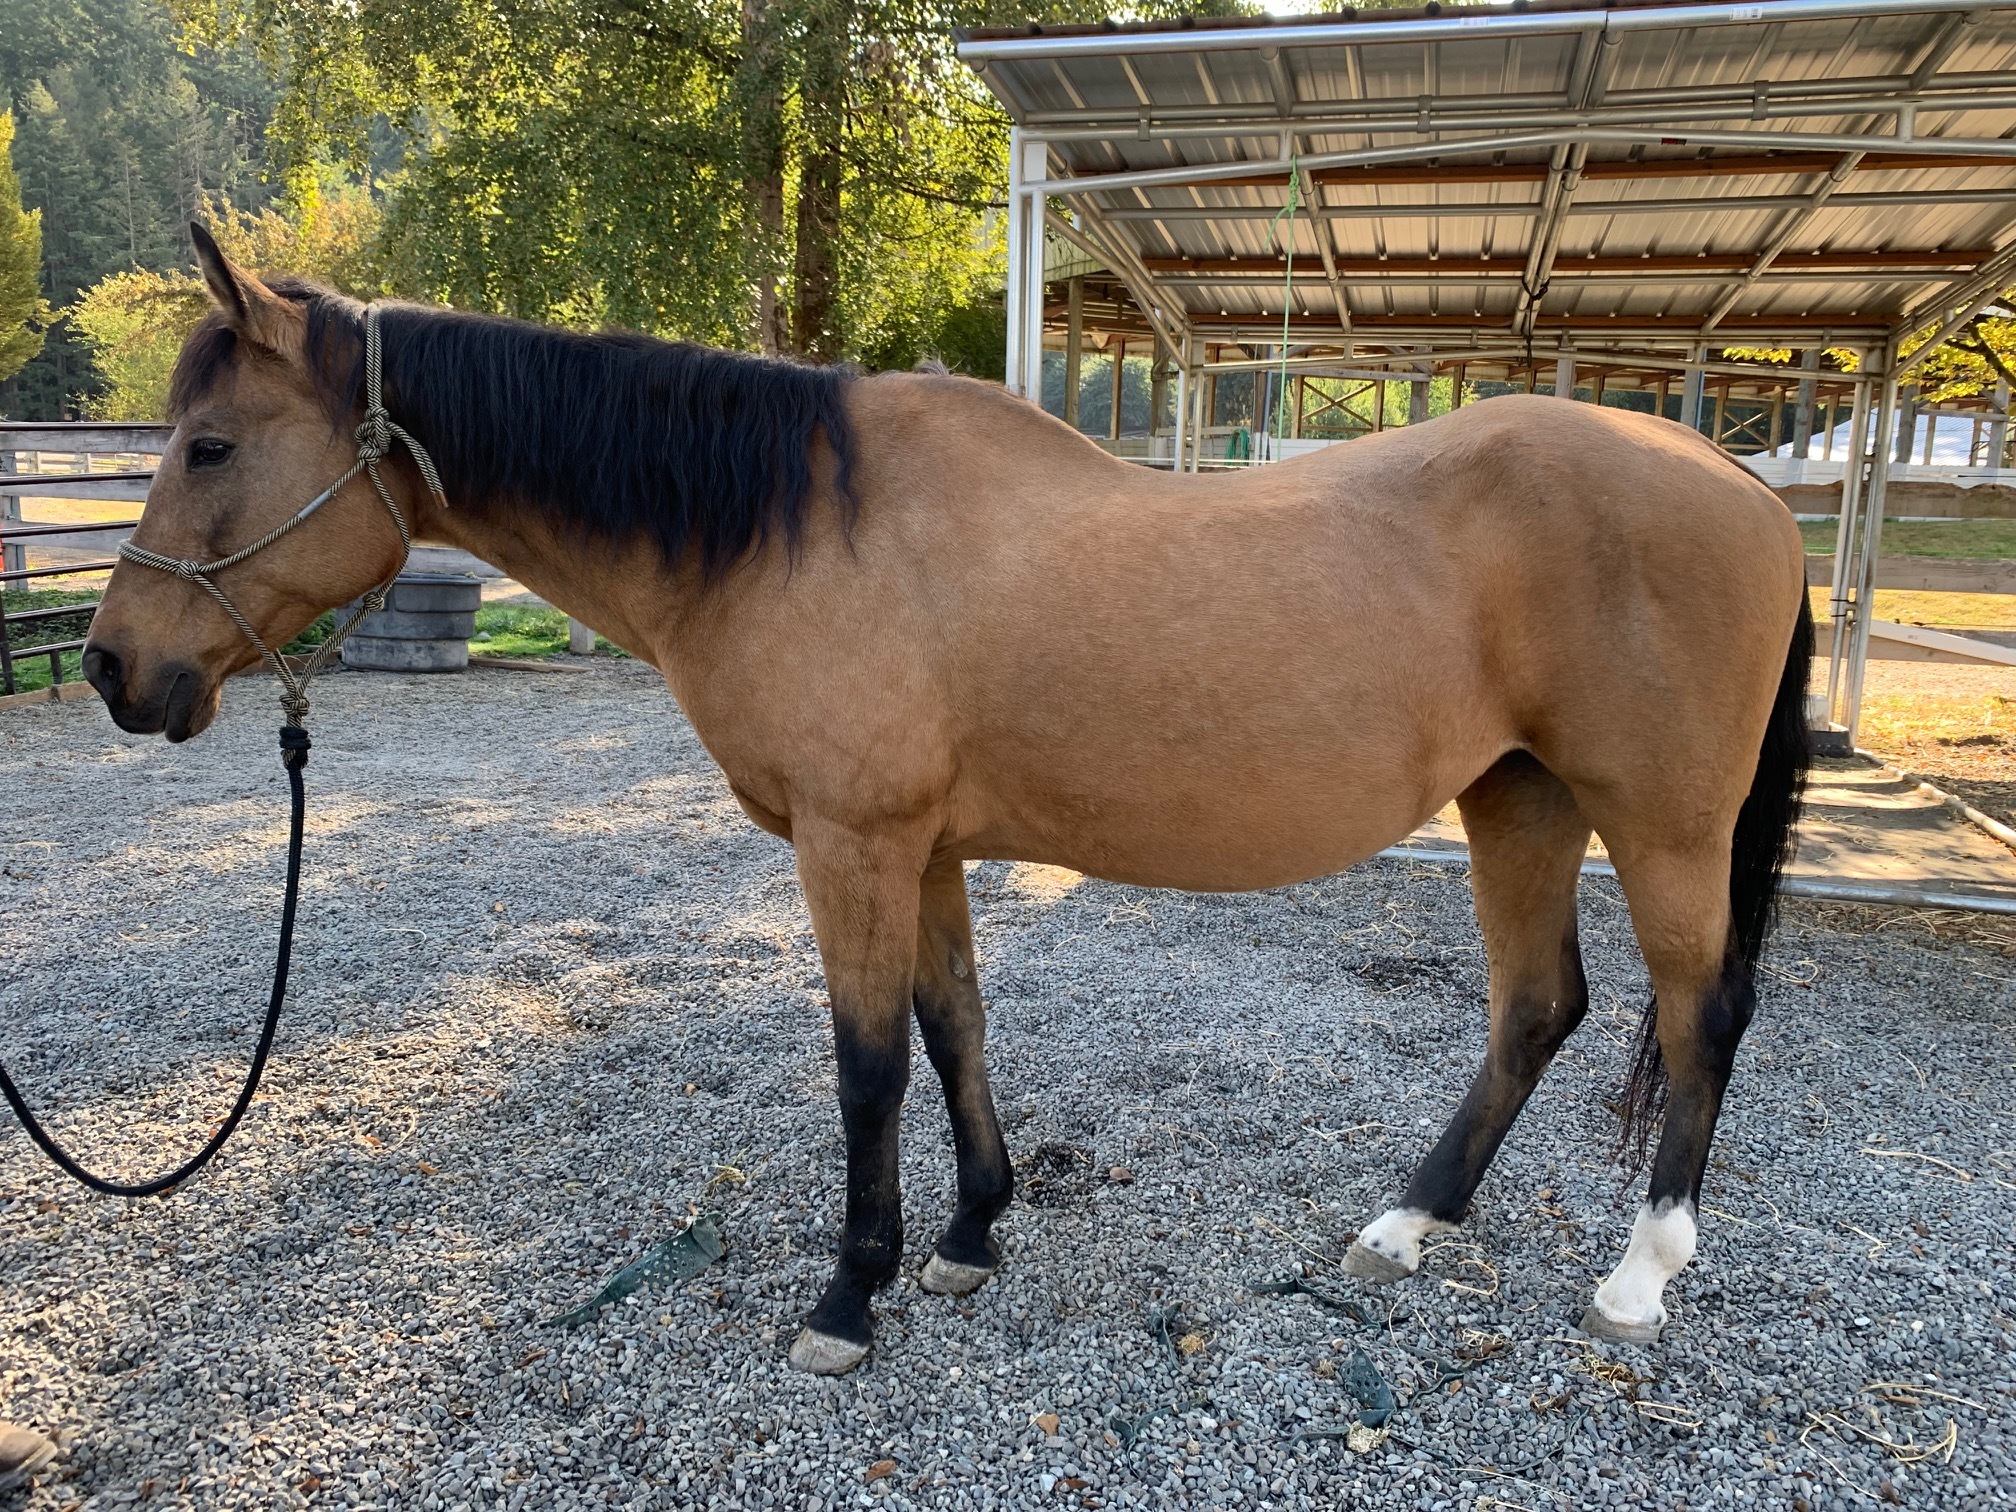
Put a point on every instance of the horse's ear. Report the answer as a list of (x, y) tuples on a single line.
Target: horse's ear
[(255, 311)]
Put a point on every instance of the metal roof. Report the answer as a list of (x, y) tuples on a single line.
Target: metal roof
[(1802, 172)]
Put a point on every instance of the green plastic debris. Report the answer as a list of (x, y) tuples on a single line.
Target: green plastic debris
[(1369, 1390), (1295, 1286), (680, 1258)]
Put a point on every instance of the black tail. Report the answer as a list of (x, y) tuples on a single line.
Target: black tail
[(1763, 846)]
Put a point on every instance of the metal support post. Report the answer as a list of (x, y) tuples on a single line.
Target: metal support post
[(1863, 610), (1116, 353), (1847, 540), (1074, 348), (1691, 388), (1028, 162)]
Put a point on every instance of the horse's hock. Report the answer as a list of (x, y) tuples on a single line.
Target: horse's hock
[(424, 627)]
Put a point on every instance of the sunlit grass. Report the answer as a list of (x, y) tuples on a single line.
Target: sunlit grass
[(1933, 538), (527, 630)]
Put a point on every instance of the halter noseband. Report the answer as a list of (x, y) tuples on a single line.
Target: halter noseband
[(374, 442)]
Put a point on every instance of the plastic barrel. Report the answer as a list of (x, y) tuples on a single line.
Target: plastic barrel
[(424, 627)]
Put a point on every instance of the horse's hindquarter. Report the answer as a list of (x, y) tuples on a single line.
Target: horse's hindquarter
[(1213, 683)]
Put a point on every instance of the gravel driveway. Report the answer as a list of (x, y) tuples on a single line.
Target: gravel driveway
[(553, 994)]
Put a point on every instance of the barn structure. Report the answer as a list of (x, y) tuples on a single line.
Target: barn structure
[(1757, 218)]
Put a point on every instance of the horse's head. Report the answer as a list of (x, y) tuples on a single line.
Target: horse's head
[(264, 408)]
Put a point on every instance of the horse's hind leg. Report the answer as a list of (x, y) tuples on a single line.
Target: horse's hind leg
[(1702, 1002), (949, 1011), (1527, 840)]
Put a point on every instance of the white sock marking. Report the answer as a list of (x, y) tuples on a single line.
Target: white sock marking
[(1397, 1234), (1662, 1242)]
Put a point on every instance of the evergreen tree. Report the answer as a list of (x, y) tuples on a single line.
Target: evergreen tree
[(122, 132), (23, 312)]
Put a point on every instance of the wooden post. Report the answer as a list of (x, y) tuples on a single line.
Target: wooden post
[(1777, 418), (1721, 409), (1378, 405), (1596, 382), (1998, 427), (13, 558), (1116, 348), (1158, 393), (1803, 405), (1456, 388), (1301, 399), (1665, 387), (580, 639), (1074, 348)]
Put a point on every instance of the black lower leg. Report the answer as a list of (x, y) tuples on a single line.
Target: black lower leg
[(1700, 1053), (1525, 1034), (953, 1038), (874, 1072)]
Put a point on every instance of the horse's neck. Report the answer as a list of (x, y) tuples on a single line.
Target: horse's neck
[(626, 593)]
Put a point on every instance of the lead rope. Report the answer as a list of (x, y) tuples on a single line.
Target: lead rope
[(374, 441)]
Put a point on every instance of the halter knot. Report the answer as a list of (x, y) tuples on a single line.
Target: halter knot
[(188, 571), (374, 436)]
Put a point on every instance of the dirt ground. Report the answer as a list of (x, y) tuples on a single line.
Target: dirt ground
[(1954, 725)]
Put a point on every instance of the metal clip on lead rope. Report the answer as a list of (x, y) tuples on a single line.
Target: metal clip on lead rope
[(374, 440)]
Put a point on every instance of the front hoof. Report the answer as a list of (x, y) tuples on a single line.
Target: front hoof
[(1367, 1264), (1600, 1325), (822, 1354), (949, 1278)]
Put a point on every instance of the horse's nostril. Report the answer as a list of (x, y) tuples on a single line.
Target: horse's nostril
[(101, 670)]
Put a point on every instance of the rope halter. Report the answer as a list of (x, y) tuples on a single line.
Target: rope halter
[(375, 436)]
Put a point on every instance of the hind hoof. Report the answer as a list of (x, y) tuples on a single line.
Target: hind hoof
[(822, 1354), (948, 1278), (1600, 1325), (1367, 1264)]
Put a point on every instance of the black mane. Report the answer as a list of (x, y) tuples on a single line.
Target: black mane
[(616, 435)]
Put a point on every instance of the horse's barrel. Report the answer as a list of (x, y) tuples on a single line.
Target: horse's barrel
[(424, 627)]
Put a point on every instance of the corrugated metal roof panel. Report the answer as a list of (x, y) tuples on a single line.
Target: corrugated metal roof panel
[(1813, 75)]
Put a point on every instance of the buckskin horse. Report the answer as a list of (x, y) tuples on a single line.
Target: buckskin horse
[(919, 622)]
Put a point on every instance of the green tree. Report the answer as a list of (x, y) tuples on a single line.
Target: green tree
[(122, 132), (23, 311), (133, 324), (802, 174)]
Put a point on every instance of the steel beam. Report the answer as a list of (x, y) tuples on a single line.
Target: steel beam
[(1950, 151), (976, 47), (1413, 120)]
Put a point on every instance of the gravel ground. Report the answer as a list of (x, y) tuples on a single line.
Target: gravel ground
[(553, 994)]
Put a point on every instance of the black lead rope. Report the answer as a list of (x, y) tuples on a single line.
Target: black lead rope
[(293, 756)]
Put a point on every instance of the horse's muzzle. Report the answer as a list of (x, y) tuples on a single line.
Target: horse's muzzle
[(177, 702)]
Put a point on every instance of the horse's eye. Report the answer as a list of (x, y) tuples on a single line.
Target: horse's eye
[(209, 452)]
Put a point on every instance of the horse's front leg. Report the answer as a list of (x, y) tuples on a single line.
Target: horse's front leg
[(862, 890)]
